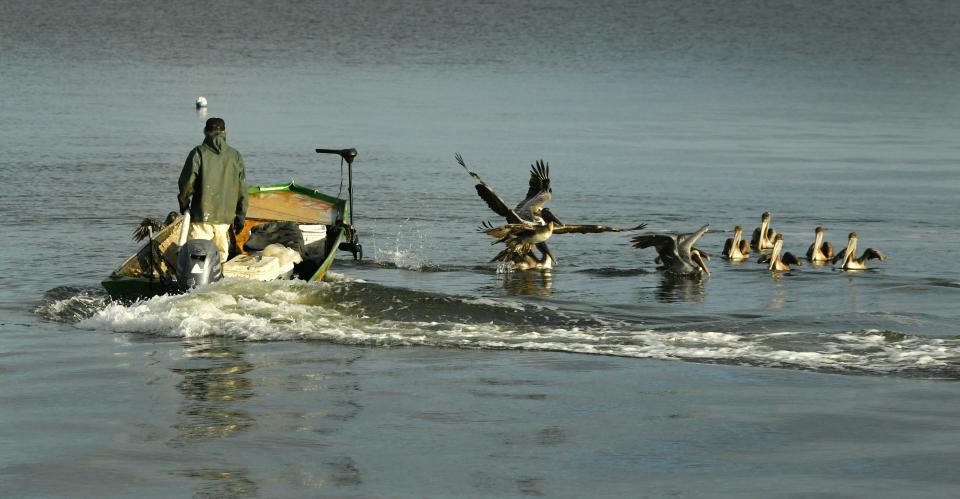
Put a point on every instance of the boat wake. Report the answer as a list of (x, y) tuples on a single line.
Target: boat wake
[(359, 313)]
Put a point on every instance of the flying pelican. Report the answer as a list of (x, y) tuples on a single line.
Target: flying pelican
[(736, 248), (847, 257), (820, 250), (675, 251), (763, 236), (776, 262)]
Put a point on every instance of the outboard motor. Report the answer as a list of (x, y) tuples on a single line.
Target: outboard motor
[(198, 263)]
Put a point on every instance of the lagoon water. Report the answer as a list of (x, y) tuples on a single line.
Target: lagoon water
[(422, 371)]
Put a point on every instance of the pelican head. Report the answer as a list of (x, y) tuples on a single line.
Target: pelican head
[(775, 263), (850, 255), (698, 259)]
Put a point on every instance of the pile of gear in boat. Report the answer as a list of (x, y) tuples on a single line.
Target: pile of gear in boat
[(273, 251)]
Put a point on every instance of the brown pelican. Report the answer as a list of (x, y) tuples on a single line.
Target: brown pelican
[(820, 250), (736, 248), (675, 251), (776, 262), (763, 236), (703, 255), (529, 220), (847, 257), (530, 211), (520, 239)]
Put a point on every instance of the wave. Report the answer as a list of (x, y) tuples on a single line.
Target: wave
[(358, 313)]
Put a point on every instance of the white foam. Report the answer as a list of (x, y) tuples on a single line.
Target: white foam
[(283, 310)]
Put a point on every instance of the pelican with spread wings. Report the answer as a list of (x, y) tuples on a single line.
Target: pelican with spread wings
[(530, 223)]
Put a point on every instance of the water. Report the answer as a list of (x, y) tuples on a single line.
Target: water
[(425, 371)]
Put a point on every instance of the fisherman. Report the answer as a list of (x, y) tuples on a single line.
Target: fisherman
[(213, 187)]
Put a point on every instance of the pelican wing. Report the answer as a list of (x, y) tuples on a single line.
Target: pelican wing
[(585, 229), (532, 205), (493, 200), (839, 256), (872, 254), (827, 249), (143, 230), (539, 178), (494, 231), (790, 259), (659, 242), (727, 247)]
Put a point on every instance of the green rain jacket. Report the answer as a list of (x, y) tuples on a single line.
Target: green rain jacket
[(213, 183)]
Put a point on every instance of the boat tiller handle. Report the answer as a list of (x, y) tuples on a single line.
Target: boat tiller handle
[(348, 155)]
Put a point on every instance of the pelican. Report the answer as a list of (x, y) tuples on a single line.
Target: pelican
[(776, 262), (820, 250), (847, 257), (763, 236), (520, 239), (151, 226), (528, 221), (736, 248), (680, 237), (675, 251), (530, 211)]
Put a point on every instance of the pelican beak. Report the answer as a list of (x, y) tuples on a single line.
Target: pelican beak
[(550, 255), (700, 263)]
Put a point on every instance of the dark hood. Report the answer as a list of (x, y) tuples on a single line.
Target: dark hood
[(216, 141)]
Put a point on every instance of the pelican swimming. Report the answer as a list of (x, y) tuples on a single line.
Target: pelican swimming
[(763, 236), (777, 262), (680, 237), (736, 248), (675, 251), (820, 250), (847, 257)]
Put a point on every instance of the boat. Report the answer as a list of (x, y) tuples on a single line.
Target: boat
[(326, 222)]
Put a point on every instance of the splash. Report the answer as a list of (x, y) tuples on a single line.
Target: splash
[(406, 251)]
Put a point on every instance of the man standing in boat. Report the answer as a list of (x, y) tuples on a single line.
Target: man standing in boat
[(213, 186)]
